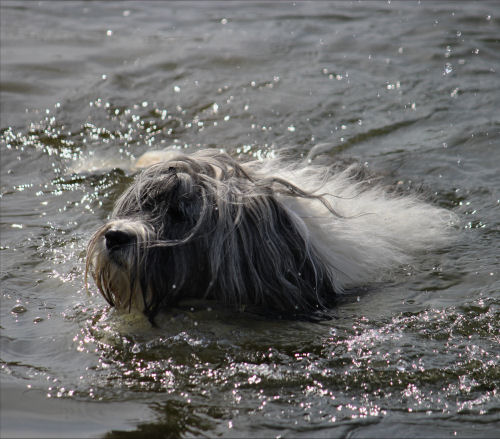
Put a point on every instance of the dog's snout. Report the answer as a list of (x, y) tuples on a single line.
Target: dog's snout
[(117, 238)]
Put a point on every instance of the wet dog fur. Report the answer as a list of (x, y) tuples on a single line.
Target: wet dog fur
[(283, 238)]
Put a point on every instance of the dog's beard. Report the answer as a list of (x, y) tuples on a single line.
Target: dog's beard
[(118, 267)]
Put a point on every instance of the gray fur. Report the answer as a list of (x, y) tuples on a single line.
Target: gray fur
[(205, 226)]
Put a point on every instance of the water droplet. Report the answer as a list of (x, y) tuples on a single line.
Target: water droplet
[(18, 309)]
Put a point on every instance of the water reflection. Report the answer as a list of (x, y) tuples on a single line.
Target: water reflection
[(419, 355)]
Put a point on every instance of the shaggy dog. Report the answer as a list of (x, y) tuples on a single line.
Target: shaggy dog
[(285, 239)]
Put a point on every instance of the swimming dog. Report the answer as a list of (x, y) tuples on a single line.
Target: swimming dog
[(283, 238)]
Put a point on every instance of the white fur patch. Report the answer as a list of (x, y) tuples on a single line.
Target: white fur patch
[(377, 231)]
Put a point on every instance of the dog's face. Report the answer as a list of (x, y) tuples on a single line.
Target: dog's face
[(202, 227), (152, 248)]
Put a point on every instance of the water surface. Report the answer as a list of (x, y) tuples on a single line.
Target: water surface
[(410, 89)]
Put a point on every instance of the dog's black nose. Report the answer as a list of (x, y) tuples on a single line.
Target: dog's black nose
[(116, 238)]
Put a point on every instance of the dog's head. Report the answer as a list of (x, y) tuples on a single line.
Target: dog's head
[(203, 226)]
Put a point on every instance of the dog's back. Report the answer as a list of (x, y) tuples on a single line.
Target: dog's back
[(374, 230)]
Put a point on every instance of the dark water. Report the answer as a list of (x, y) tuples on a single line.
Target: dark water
[(411, 89)]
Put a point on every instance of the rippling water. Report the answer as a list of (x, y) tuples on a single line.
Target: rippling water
[(411, 89)]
